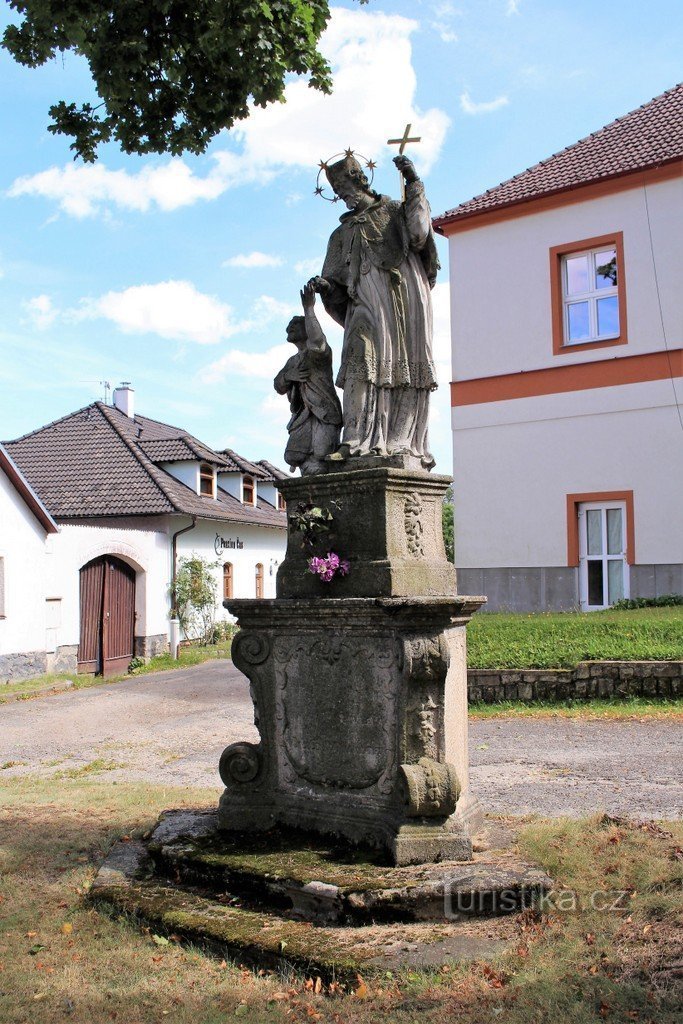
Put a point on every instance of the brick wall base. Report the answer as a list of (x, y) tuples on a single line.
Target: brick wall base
[(587, 680)]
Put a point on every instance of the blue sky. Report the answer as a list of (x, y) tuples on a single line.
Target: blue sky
[(180, 275)]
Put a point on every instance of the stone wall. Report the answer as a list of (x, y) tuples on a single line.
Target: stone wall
[(14, 667), (64, 659), (589, 679), (150, 646)]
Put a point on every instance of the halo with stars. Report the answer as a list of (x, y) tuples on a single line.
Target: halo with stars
[(324, 164)]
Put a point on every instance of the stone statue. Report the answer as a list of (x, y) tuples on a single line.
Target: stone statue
[(306, 379), (380, 265)]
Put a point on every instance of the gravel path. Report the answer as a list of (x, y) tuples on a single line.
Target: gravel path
[(171, 728)]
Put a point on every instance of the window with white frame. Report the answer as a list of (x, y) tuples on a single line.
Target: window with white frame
[(590, 295)]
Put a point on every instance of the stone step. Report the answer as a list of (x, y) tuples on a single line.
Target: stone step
[(126, 884), (294, 875)]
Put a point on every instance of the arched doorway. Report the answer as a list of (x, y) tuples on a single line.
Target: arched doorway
[(107, 599)]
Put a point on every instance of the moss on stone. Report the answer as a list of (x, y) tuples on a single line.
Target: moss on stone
[(287, 855), (243, 934)]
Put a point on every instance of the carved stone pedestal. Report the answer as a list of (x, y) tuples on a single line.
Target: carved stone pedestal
[(361, 704), (387, 521)]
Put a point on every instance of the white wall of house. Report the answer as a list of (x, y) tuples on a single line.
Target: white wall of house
[(186, 471), (500, 280), (213, 541), (22, 549), (145, 550), (516, 461)]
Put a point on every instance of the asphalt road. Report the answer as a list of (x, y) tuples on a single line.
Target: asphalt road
[(171, 727)]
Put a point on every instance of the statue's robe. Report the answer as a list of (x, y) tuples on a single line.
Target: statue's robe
[(381, 263)]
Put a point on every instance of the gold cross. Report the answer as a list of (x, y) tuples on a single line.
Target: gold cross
[(403, 142)]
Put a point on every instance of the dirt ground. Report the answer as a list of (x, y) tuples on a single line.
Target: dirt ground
[(171, 728)]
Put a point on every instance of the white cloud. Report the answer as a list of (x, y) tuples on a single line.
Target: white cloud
[(512, 7), (247, 364), (41, 312), (446, 34), (307, 268), (470, 107), (82, 190), (251, 260), (374, 95), (171, 309)]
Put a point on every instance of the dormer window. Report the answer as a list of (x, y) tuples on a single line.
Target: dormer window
[(281, 505), (207, 485), (248, 490)]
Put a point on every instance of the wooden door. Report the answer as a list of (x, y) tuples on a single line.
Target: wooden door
[(107, 616)]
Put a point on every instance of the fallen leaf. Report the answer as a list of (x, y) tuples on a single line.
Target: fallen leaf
[(39, 995), (647, 928), (34, 950), (31, 935), (159, 940), (66, 928), (361, 992), (590, 939), (318, 987)]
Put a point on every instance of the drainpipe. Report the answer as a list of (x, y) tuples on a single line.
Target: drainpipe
[(175, 623)]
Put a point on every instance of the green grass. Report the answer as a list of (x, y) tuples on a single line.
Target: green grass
[(60, 959), (562, 640), (599, 708)]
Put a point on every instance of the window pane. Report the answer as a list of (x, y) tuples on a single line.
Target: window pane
[(615, 579), (608, 316), (606, 269), (614, 532), (577, 275), (595, 583), (594, 531), (578, 318)]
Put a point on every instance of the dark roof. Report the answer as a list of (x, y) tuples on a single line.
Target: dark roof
[(274, 471), (645, 138), (180, 449), (26, 492), (238, 464), (96, 462)]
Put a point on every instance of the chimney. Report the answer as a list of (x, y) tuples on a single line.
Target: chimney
[(124, 399)]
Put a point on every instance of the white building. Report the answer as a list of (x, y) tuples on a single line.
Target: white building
[(26, 534), (567, 330), (130, 497)]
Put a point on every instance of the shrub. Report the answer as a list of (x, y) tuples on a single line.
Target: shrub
[(665, 601)]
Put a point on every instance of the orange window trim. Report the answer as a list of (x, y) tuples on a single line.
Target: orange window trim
[(563, 197), (557, 253), (573, 502), (599, 373)]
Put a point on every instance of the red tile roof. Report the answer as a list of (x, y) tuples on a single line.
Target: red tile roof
[(97, 462), (648, 137)]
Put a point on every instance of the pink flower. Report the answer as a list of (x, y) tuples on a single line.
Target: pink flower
[(326, 568)]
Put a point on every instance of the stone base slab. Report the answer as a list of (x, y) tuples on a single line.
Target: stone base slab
[(256, 899)]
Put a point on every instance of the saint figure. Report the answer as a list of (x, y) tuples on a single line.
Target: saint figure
[(306, 379), (376, 282)]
